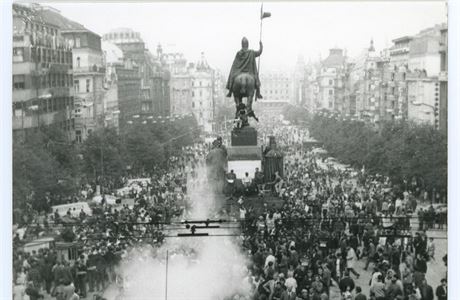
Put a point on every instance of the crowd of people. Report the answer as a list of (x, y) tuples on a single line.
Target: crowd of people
[(105, 236), (329, 220), (307, 247)]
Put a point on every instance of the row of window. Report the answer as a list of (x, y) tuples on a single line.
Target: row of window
[(50, 80), (274, 86), (121, 35), (60, 56), (42, 55), (201, 104), (200, 84), (40, 28), (67, 125), (276, 92), (44, 105)]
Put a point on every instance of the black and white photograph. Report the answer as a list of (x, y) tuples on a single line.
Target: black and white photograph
[(228, 150)]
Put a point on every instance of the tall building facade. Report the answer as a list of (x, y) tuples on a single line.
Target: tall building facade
[(298, 82), (203, 105), (123, 83), (89, 72), (180, 83), (427, 80), (408, 81), (331, 78), (154, 76), (276, 86), (43, 93)]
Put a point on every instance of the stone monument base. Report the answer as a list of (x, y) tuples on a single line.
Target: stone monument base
[(246, 136)]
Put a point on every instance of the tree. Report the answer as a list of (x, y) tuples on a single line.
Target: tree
[(400, 150), (144, 151), (295, 114), (40, 167), (104, 155)]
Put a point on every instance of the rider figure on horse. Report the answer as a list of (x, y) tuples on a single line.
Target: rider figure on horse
[(245, 62)]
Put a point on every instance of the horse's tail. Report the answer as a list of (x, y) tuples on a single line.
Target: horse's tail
[(244, 85)]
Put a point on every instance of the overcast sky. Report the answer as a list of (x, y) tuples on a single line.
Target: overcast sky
[(295, 28)]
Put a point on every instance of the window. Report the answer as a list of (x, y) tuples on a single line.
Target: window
[(331, 82), (88, 83), (78, 62), (18, 54), (77, 42), (193, 94), (19, 82), (76, 84), (331, 92), (193, 104), (78, 136)]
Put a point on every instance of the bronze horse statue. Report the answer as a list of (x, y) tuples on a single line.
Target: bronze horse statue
[(244, 86)]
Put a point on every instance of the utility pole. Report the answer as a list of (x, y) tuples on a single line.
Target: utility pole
[(166, 284)]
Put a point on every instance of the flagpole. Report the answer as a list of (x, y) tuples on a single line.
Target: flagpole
[(260, 36)]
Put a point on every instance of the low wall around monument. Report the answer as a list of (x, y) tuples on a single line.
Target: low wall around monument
[(240, 167)]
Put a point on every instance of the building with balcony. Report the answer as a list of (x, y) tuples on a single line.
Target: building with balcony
[(399, 52), (43, 93), (427, 77), (331, 81), (89, 73)]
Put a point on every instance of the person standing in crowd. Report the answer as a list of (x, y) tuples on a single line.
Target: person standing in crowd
[(33, 291), (351, 261), (359, 295), (426, 290), (441, 290), (377, 290), (394, 290), (346, 283), (431, 249)]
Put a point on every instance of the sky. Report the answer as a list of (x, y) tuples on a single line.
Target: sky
[(308, 29)]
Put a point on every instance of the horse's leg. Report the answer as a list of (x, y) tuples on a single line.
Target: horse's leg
[(250, 100), (249, 110), (237, 103)]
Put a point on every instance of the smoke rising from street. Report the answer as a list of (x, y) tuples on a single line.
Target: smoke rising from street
[(204, 268)]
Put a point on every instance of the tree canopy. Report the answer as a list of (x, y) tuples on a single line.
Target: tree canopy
[(44, 162), (401, 150)]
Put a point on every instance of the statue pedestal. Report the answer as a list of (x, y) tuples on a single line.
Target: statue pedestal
[(246, 136), (244, 156)]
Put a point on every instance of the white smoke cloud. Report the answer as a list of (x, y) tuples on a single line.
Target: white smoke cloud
[(199, 268)]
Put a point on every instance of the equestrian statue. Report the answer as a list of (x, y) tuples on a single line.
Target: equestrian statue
[(243, 80)]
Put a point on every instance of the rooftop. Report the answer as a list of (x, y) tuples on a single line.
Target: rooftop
[(402, 39), (335, 58), (51, 16)]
